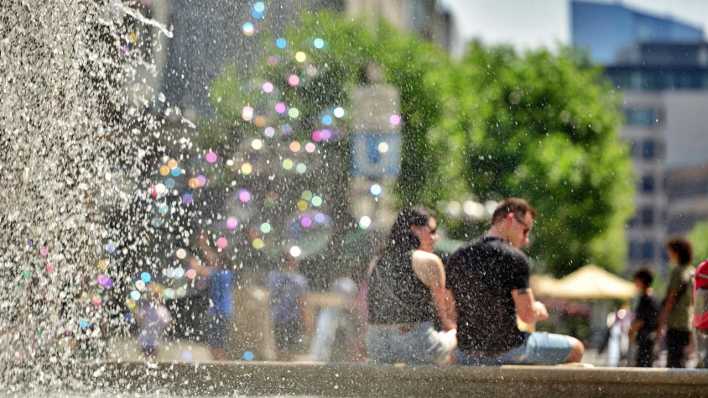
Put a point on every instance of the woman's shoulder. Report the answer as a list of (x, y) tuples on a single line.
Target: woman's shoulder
[(425, 257)]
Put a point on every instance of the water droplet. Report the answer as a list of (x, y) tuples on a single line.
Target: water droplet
[(316, 201), (376, 189), (211, 157), (222, 243), (248, 29), (231, 223), (267, 87), (265, 228), (247, 113), (295, 251)]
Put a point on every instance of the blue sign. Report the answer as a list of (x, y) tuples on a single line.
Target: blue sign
[(376, 154)]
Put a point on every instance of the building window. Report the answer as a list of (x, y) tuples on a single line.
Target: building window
[(647, 184), (648, 250), (646, 216), (649, 149), (635, 250), (642, 117)]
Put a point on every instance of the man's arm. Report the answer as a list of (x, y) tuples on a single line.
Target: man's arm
[(527, 308), (429, 269), (200, 269)]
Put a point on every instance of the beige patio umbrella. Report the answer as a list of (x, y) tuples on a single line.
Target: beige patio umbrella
[(543, 285), (593, 283)]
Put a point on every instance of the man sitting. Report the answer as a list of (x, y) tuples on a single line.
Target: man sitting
[(490, 283)]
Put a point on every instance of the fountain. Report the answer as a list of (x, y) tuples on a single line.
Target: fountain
[(104, 195), (66, 157)]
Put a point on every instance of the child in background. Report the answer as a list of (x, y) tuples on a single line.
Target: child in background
[(643, 329)]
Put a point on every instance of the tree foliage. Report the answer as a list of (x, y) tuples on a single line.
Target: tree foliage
[(543, 127), (326, 80)]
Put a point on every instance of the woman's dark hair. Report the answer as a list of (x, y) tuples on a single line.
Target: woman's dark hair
[(682, 248), (401, 238)]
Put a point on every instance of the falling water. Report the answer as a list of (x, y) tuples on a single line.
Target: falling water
[(67, 150), (82, 209)]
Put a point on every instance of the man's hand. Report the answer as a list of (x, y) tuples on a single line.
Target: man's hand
[(527, 308), (539, 310)]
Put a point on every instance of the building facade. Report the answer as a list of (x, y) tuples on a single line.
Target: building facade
[(605, 30), (661, 66), (430, 19)]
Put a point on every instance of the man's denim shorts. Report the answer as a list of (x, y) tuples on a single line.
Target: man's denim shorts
[(540, 348)]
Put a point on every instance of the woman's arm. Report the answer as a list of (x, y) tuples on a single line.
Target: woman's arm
[(429, 269), (669, 303)]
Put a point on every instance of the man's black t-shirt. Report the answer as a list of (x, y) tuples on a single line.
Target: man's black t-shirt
[(481, 276), (647, 311)]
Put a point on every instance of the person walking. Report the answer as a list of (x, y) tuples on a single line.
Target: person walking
[(288, 289), (221, 280), (677, 307), (407, 298), (335, 320), (489, 279)]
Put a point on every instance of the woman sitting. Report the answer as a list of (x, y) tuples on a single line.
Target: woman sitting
[(408, 302)]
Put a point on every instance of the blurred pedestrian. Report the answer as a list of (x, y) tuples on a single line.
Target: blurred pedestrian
[(152, 318), (642, 331), (408, 301), (677, 308), (221, 282), (334, 321), (489, 279), (700, 317), (291, 322)]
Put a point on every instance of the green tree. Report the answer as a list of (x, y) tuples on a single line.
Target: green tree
[(543, 127), (331, 69), (699, 240)]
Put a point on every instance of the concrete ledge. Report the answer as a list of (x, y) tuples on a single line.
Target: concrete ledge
[(359, 380)]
